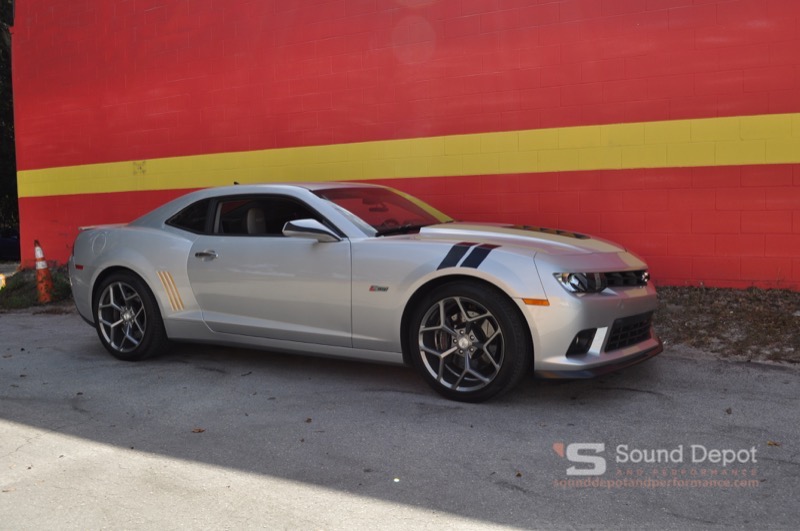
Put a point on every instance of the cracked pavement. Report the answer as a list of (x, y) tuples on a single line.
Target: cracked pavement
[(233, 438)]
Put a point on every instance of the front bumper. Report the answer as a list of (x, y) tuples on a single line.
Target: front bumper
[(612, 366), (606, 315)]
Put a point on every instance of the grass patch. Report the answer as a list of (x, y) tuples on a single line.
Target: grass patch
[(20, 291), (754, 324)]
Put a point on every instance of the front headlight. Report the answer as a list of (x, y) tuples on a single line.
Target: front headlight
[(582, 282), (597, 282)]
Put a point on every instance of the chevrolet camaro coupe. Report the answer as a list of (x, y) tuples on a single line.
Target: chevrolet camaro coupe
[(365, 272)]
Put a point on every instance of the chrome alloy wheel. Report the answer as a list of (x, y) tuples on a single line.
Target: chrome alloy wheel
[(121, 317), (461, 344)]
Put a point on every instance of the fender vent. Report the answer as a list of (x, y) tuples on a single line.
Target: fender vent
[(173, 294)]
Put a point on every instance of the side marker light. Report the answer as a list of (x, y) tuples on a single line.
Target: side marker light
[(536, 302)]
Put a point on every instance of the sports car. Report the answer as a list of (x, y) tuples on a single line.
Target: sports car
[(365, 272)]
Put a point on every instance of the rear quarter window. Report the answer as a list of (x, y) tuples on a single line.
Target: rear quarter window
[(193, 218)]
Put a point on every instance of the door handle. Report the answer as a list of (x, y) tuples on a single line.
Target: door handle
[(206, 255)]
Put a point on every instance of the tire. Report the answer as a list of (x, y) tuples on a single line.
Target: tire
[(127, 318), (469, 341)]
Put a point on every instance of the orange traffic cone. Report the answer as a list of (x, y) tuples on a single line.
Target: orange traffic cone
[(44, 280)]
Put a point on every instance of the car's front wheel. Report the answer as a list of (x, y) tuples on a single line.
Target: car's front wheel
[(469, 342), (127, 318)]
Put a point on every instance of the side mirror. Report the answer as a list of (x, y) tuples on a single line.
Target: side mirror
[(309, 229)]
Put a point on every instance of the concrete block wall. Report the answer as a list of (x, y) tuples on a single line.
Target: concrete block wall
[(671, 126)]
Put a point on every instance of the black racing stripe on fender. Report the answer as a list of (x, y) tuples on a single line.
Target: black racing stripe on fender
[(478, 255), (455, 254)]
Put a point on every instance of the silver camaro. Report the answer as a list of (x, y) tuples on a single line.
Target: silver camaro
[(365, 272)]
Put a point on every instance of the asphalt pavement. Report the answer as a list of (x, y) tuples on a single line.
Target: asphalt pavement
[(224, 438)]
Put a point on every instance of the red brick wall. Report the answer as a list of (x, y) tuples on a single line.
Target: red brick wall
[(133, 80)]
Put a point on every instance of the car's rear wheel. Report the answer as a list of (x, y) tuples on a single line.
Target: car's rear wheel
[(127, 318), (469, 341)]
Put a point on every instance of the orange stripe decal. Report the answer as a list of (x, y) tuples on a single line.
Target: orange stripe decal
[(172, 290)]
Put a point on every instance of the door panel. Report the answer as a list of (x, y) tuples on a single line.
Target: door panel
[(275, 287)]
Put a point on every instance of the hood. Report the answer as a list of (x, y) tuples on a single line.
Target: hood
[(537, 239)]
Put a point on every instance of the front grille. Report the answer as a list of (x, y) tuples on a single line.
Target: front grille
[(629, 331), (620, 279)]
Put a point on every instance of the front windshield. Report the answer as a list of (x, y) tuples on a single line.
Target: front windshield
[(383, 210)]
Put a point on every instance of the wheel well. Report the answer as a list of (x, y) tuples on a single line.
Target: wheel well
[(435, 283), (107, 273)]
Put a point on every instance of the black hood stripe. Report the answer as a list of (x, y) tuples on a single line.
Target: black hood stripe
[(478, 255), (455, 254)]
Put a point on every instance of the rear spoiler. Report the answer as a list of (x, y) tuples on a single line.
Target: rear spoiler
[(106, 226)]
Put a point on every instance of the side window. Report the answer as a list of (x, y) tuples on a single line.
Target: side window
[(192, 218), (258, 216), (231, 216)]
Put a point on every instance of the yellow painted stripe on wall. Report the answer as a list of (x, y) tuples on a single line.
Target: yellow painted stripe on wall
[(730, 141)]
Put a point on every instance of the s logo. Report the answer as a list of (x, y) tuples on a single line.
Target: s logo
[(585, 453)]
